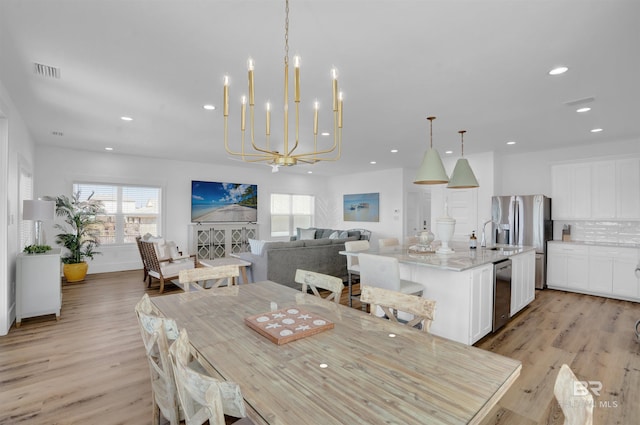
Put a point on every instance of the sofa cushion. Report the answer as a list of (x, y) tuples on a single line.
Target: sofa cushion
[(276, 245), (323, 233), (306, 234), (317, 242), (334, 235), (343, 235), (354, 233)]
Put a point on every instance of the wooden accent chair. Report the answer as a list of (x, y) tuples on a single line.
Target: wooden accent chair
[(392, 302), (353, 267), (202, 397), (313, 281), (226, 274), (577, 408), (156, 333), (165, 269), (144, 262)]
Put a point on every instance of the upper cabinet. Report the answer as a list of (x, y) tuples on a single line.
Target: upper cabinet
[(596, 190)]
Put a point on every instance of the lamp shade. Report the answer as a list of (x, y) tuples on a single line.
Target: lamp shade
[(431, 170), (38, 209), (462, 176)]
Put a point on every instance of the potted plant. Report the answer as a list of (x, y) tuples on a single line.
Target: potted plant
[(78, 234)]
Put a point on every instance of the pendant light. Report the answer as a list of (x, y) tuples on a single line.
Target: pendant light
[(462, 177), (432, 170)]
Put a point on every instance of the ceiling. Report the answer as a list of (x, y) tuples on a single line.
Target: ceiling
[(480, 66)]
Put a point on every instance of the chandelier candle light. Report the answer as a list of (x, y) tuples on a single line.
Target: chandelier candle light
[(287, 156)]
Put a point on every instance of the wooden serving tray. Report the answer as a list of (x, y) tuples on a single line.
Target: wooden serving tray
[(287, 324)]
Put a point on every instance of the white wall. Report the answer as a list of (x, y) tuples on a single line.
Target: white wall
[(388, 183), (16, 146), (59, 168)]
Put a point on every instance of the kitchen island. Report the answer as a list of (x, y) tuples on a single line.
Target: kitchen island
[(462, 284)]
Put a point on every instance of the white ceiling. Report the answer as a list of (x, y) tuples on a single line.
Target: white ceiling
[(479, 65)]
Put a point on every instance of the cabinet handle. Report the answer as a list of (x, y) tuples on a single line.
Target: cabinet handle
[(638, 271)]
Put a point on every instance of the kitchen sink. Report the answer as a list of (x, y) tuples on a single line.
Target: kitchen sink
[(503, 250)]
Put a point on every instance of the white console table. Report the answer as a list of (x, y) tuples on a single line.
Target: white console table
[(38, 285)]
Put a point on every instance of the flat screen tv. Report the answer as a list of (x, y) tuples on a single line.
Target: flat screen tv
[(223, 202)]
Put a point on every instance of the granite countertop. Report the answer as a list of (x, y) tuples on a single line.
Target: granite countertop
[(600, 243), (461, 259)]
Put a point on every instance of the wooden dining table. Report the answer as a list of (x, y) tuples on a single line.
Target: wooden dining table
[(365, 370)]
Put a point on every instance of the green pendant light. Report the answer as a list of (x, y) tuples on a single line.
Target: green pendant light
[(432, 170), (462, 177)]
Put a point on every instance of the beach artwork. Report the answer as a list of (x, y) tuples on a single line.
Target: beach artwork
[(215, 202), (362, 207)]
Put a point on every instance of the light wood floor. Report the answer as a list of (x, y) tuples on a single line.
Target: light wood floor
[(89, 367)]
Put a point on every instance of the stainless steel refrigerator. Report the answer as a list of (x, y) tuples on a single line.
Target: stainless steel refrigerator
[(524, 220)]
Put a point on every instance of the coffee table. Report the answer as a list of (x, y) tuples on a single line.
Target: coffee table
[(225, 261)]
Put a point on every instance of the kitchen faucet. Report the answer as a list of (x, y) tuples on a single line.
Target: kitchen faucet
[(483, 241)]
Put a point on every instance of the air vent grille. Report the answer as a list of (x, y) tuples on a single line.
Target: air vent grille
[(46, 71), (57, 133)]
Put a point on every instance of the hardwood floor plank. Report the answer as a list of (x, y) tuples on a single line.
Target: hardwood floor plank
[(89, 367)]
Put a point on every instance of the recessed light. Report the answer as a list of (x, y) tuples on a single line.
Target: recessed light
[(511, 142), (392, 335), (372, 162), (108, 149), (126, 118), (309, 172), (209, 107), (585, 109), (323, 365), (448, 152), (596, 130), (394, 150), (558, 70), (325, 134)]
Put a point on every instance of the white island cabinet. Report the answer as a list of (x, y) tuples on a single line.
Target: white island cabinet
[(38, 285), (523, 280)]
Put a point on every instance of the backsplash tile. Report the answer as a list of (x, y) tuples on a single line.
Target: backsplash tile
[(600, 231)]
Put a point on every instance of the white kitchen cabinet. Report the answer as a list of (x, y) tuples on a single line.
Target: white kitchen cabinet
[(628, 188), (217, 240), (603, 194), (567, 266), (571, 191), (608, 271), (481, 317), (626, 283), (523, 280), (38, 285)]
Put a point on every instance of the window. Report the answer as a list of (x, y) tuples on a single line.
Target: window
[(289, 212), (131, 211)]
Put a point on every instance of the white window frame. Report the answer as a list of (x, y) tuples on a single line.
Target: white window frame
[(120, 213), (290, 214)]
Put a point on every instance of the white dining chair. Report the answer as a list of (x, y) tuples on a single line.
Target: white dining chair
[(388, 242), (574, 398), (353, 268), (384, 272)]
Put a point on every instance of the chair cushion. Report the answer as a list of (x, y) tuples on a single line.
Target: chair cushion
[(173, 268), (171, 250), (408, 287), (256, 246)]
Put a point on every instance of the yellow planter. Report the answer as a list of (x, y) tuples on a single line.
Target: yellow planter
[(75, 272)]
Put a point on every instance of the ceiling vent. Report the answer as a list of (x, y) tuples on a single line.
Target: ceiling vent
[(57, 133), (46, 71)]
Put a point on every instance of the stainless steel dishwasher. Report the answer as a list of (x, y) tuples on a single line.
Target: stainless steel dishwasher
[(501, 293)]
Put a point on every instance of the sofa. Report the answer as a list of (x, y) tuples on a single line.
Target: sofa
[(278, 261)]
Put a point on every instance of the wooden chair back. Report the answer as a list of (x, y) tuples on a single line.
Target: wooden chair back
[(225, 274), (577, 408), (392, 302), (145, 269), (202, 397), (156, 333), (313, 281)]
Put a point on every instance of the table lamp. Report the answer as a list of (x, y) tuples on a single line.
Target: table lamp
[(38, 210)]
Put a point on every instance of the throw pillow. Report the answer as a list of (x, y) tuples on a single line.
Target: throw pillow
[(307, 234), (343, 235), (256, 246), (171, 250), (334, 235)]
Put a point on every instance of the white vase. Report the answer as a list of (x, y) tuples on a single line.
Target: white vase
[(445, 227)]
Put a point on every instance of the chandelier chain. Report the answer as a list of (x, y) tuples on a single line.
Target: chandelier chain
[(286, 34)]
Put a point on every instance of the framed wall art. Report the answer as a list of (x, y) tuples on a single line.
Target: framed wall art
[(362, 207)]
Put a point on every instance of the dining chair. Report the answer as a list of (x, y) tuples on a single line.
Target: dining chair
[(166, 269), (196, 279), (202, 397), (353, 267), (156, 333), (384, 272), (391, 303), (145, 269), (574, 398), (388, 242), (313, 281)]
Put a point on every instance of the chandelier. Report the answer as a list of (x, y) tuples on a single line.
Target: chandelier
[(288, 155)]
